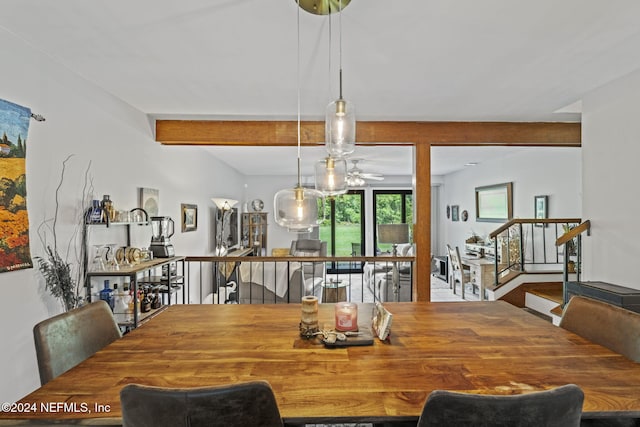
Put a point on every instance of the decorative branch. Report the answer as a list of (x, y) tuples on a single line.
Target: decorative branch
[(58, 272)]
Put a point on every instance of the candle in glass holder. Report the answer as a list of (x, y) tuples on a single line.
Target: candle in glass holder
[(309, 319), (346, 316)]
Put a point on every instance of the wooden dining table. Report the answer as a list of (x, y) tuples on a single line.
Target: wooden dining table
[(476, 347)]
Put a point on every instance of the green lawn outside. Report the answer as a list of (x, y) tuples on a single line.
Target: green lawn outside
[(345, 235)]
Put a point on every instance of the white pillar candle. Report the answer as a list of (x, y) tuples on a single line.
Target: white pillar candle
[(309, 319)]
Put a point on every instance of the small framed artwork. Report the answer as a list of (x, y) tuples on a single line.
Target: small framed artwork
[(541, 208), (149, 200), (465, 215), (448, 211), (189, 217), (455, 213)]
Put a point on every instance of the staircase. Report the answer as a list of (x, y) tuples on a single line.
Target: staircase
[(543, 298), (534, 259)]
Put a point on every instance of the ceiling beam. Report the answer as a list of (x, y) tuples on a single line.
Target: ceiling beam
[(284, 133)]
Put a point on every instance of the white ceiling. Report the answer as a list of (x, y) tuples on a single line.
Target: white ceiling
[(395, 161), (420, 60)]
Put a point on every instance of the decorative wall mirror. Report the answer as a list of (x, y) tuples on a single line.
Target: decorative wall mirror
[(494, 203)]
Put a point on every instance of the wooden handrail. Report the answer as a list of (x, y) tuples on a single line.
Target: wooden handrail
[(585, 226), (515, 221)]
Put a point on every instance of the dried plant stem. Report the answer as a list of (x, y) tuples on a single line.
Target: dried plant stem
[(58, 272)]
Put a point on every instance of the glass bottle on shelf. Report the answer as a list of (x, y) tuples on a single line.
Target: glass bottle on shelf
[(128, 302), (156, 300), (97, 264), (106, 294), (95, 213), (138, 298), (146, 302), (120, 305), (107, 208), (115, 296)]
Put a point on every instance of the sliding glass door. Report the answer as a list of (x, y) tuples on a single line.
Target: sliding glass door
[(343, 229), (391, 207)]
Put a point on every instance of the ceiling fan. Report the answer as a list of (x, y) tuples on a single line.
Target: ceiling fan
[(356, 177)]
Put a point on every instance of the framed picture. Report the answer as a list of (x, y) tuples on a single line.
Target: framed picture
[(189, 217), (149, 200), (494, 203), (541, 208), (455, 213)]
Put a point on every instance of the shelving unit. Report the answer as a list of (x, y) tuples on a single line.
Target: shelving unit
[(164, 274), (142, 274), (254, 232)]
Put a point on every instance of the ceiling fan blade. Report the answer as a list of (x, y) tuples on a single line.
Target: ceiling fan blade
[(372, 175)]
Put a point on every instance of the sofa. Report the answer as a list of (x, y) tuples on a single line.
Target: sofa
[(274, 283), (378, 276)]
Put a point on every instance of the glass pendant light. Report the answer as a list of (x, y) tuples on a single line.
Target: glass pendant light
[(297, 208), (340, 122), (331, 176)]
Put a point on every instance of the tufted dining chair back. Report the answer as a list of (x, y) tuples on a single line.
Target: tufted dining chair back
[(558, 407), (67, 339), (235, 405)]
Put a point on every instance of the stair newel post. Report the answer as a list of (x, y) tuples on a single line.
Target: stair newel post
[(521, 247), (565, 273), (496, 260), (578, 256)]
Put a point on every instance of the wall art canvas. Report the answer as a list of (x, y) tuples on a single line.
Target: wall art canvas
[(149, 200), (14, 220), (189, 217)]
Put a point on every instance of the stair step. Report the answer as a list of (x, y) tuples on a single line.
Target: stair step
[(517, 296), (546, 299), (552, 293), (557, 311)]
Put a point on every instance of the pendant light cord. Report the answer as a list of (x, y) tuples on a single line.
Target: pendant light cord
[(340, 42), (298, 90), (339, 47)]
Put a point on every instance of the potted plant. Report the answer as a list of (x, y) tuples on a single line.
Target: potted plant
[(570, 249)]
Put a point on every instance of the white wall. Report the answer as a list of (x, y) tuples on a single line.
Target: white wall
[(611, 141), (83, 120), (537, 171)]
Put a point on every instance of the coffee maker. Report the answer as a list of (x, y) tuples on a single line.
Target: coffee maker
[(161, 230)]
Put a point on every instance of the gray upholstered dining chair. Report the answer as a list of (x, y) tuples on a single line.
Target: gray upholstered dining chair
[(67, 339), (310, 248), (613, 327), (558, 407), (244, 404)]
